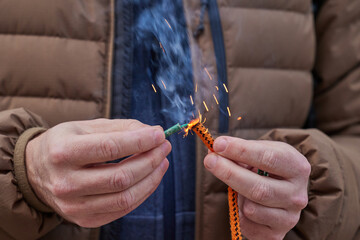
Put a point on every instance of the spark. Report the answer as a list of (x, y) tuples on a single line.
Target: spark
[(192, 101), (153, 87), (205, 106), (239, 118), (217, 88), (229, 111), (208, 73), (162, 47), (168, 23), (225, 88), (196, 86), (163, 84), (191, 124), (216, 99)]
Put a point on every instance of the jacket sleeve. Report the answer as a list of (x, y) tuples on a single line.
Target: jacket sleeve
[(333, 211), (22, 214), (333, 150)]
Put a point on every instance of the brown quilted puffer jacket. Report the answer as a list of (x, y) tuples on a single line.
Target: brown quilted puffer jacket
[(56, 63)]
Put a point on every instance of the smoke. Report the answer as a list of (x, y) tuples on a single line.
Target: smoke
[(161, 28)]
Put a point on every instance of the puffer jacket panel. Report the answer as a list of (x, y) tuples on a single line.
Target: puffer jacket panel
[(277, 5), (55, 55), (269, 47), (338, 40), (83, 20)]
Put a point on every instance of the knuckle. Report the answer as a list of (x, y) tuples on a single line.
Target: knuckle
[(60, 188), (304, 168), (108, 147), (241, 150), (300, 201), (269, 159), (228, 175), (249, 209), (134, 123), (121, 180), (125, 201), (153, 161), (57, 154), (139, 145), (260, 192)]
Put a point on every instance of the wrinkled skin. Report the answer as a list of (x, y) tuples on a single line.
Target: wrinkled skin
[(269, 206), (66, 168)]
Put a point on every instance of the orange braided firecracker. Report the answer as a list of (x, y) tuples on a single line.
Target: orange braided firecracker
[(208, 140)]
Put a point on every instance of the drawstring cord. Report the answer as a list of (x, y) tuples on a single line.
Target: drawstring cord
[(200, 28)]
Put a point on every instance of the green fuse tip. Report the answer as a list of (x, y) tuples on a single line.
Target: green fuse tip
[(174, 129)]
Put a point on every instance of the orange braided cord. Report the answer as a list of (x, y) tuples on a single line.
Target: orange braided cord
[(204, 135), (234, 214), (208, 140)]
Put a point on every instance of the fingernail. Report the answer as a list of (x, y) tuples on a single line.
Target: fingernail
[(220, 145), (210, 161), (159, 136)]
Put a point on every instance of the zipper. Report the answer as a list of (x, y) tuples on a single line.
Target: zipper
[(122, 71), (220, 55)]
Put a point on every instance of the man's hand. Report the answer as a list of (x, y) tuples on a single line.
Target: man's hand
[(66, 168), (269, 206)]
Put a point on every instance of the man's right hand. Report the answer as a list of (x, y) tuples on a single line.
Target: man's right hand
[(66, 168)]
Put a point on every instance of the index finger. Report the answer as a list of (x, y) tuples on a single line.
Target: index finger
[(263, 190), (116, 177), (275, 158), (102, 147), (103, 125)]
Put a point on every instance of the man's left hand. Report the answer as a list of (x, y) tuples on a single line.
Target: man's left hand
[(269, 206)]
